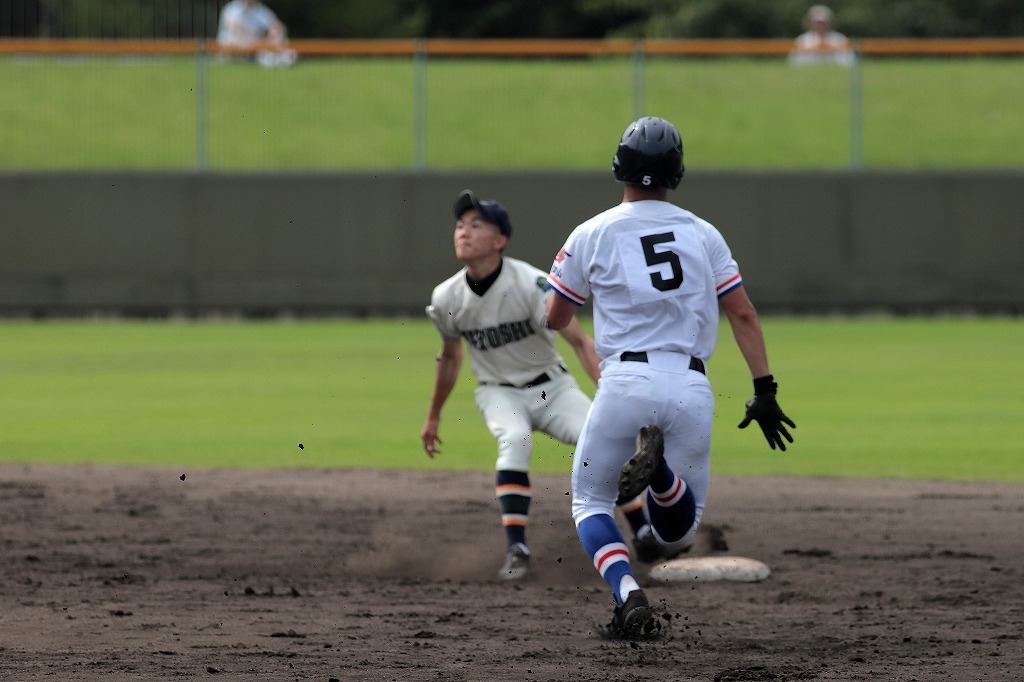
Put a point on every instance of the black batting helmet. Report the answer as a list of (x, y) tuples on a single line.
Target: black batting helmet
[(650, 154)]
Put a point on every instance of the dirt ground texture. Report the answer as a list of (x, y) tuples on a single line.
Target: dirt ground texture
[(150, 573)]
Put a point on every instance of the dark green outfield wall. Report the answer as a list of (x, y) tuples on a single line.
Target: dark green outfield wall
[(186, 243)]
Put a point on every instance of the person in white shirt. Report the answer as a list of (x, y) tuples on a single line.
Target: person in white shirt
[(248, 24), (657, 275), (820, 43)]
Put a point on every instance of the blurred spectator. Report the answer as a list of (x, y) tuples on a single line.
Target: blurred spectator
[(251, 25), (820, 43)]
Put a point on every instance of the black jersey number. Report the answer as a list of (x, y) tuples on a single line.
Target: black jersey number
[(655, 258)]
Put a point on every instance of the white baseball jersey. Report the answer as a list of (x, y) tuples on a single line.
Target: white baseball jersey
[(505, 329), (656, 270)]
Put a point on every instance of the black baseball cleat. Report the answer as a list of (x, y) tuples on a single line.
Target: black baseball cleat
[(644, 465), (634, 619), (648, 550), (645, 546)]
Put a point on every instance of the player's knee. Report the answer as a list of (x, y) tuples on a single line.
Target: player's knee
[(584, 507), (567, 431), (514, 452)]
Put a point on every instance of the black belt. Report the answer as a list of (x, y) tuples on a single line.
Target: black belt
[(696, 364), (536, 381)]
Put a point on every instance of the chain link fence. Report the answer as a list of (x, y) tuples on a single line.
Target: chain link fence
[(504, 105)]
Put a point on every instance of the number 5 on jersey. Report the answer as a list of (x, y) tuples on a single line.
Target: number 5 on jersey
[(655, 263), (655, 258)]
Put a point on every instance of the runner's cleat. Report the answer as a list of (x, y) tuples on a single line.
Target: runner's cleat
[(634, 618), (644, 465)]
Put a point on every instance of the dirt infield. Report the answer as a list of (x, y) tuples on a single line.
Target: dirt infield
[(143, 574)]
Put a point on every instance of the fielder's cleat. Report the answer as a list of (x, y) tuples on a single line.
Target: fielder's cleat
[(644, 465), (517, 563), (648, 550), (634, 618), (646, 546)]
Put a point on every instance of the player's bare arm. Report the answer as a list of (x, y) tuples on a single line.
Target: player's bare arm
[(583, 345), (446, 373), (746, 329), (763, 407), (560, 311)]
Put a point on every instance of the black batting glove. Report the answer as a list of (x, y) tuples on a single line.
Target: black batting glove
[(765, 410)]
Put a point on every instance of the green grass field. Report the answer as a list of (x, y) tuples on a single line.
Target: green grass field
[(503, 114), (922, 398)]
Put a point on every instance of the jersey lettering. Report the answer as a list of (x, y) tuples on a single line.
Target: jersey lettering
[(496, 337)]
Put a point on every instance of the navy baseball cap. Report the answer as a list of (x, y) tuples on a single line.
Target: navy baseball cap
[(491, 210)]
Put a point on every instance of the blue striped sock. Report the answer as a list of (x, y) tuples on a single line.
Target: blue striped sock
[(606, 547), (671, 506)]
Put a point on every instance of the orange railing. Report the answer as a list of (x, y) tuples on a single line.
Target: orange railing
[(521, 48)]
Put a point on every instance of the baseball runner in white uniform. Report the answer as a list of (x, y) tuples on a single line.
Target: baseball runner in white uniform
[(657, 274), (497, 305)]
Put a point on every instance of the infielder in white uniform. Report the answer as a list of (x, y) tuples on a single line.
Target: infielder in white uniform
[(657, 274), (497, 304)]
